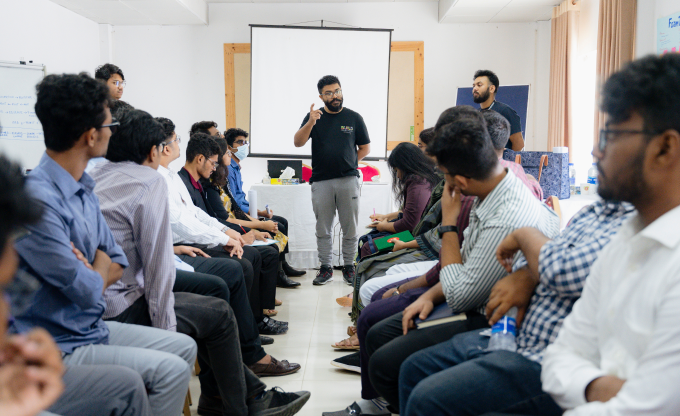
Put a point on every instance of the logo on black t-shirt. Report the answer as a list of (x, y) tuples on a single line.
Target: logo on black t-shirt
[(346, 129)]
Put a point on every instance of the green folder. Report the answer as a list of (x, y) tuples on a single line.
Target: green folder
[(383, 245)]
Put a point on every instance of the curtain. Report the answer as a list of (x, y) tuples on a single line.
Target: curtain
[(564, 35), (615, 45)]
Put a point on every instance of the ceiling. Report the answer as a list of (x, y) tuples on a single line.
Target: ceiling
[(195, 12)]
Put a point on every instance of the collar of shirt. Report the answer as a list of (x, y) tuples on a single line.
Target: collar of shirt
[(663, 230), (63, 180), (235, 165), (193, 181), (487, 207)]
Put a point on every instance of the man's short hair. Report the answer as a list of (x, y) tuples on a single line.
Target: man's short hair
[(327, 80), (106, 71), (202, 127), (427, 135), (493, 78), (68, 105), (498, 128), (649, 86), (119, 107), (16, 207), (462, 144), (168, 126), (201, 144), (231, 135), (136, 136)]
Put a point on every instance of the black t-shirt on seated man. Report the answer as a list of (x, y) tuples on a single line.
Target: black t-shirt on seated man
[(335, 138), (510, 114)]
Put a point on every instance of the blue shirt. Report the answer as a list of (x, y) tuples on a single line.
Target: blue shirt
[(236, 185), (69, 305)]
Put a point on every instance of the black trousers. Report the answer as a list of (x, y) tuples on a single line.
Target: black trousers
[(211, 323), (223, 278), (388, 348)]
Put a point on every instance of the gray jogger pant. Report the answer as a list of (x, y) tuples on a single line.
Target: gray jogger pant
[(329, 196)]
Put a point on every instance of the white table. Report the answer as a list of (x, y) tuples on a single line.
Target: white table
[(573, 205), (294, 202)]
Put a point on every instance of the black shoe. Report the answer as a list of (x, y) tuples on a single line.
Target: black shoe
[(276, 402), (283, 281), (348, 362), (210, 406), (269, 326), (348, 274), (290, 271), (324, 276), (264, 340)]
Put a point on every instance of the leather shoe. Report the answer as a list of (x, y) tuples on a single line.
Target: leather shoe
[(290, 271), (264, 340), (210, 406), (283, 281), (269, 326), (275, 368)]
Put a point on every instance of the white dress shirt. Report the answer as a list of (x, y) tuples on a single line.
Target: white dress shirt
[(190, 224), (625, 324)]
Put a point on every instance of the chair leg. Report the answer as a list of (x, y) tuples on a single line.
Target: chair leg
[(197, 368), (189, 397), (187, 403)]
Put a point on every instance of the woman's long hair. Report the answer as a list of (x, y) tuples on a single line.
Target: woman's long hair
[(220, 178), (414, 166)]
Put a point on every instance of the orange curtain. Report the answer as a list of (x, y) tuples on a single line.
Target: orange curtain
[(562, 49), (615, 44)]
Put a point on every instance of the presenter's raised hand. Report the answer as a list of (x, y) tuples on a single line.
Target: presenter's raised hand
[(314, 115)]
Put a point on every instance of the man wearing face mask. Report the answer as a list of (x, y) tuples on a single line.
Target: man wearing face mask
[(339, 141)]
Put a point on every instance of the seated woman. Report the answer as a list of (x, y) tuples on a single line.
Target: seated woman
[(413, 177)]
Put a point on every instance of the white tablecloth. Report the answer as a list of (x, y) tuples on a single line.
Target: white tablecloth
[(294, 202)]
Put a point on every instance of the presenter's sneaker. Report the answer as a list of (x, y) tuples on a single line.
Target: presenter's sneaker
[(349, 274), (348, 362), (290, 271), (276, 402), (283, 281), (324, 276)]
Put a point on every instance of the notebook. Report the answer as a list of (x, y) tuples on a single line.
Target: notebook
[(441, 314), (383, 244)]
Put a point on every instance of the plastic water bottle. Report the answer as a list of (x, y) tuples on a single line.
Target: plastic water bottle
[(572, 174), (503, 333), (592, 174)]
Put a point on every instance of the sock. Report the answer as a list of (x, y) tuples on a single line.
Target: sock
[(373, 407)]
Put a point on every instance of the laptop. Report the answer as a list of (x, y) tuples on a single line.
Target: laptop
[(276, 166)]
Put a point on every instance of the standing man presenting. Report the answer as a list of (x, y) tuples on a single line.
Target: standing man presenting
[(339, 141), (484, 90)]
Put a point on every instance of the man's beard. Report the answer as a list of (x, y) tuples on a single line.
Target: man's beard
[(335, 104), (630, 189), (482, 97)]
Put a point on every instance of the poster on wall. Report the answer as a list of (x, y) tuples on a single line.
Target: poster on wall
[(668, 34)]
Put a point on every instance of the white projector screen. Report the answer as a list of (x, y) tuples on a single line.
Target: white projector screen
[(286, 64)]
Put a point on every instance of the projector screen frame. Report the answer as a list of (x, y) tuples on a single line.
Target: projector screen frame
[(292, 156)]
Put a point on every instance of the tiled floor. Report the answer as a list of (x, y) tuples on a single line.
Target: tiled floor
[(315, 321)]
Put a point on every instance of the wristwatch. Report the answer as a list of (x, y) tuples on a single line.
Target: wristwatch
[(447, 229), (396, 291)]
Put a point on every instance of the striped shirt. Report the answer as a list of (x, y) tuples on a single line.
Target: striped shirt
[(134, 201), (510, 205), (563, 265)]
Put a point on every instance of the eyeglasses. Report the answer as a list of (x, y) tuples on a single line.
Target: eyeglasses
[(113, 126), (213, 164), (607, 135), (241, 142), (119, 83), (177, 139), (329, 94)]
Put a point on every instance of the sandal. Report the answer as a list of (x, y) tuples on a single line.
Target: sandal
[(278, 302), (345, 301), (270, 312), (351, 343), (351, 330)]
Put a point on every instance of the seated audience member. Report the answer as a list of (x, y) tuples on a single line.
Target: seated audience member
[(117, 108), (32, 375), (618, 352), (238, 145), (207, 127), (464, 153), (499, 131), (194, 227), (134, 201), (74, 256), (114, 79), (544, 287), (413, 178)]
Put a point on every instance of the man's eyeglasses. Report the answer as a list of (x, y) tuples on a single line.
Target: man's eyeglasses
[(177, 139), (213, 164), (119, 83), (607, 135), (241, 142), (113, 126), (329, 94)]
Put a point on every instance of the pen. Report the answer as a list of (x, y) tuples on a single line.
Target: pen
[(374, 212), (244, 230)]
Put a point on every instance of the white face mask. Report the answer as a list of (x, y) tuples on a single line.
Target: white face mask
[(241, 153)]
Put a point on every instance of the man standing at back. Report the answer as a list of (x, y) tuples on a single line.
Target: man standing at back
[(339, 141), (484, 90)]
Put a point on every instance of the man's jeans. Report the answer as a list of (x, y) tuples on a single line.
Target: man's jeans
[(459, 377), (162, 358)]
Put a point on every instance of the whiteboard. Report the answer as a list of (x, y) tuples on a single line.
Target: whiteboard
[(287, 63), (21, 138)]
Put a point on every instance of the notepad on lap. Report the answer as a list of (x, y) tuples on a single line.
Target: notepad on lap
[(441, 314)]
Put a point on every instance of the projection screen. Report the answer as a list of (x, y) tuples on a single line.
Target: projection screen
[(286, 64)]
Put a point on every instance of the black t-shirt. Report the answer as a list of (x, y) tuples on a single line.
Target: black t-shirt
[(334, 141), (510, 115)]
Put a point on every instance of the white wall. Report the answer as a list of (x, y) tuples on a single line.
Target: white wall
[(178, 71), (46, 33), (648, 11)]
